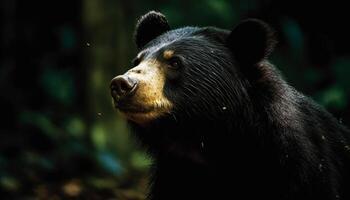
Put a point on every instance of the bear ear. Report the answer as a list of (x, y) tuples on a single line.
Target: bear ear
[(149, 26), (251, 41)]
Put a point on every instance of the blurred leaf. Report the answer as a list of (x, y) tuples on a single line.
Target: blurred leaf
[(40, 121), (9, 183), (58, 84), (74, 146), (98, 79), (98, 136), (119, 137), (341, 69), (37, 161), (75, 126), (109, 163), (140, 161), (205, 13), (294, 36), (131, 194), (68, 38), (103, 183), (221, 9), (333, 97), (312, 76)]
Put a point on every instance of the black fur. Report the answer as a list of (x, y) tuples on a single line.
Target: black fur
[(149, 27), (238, 130), (251, 41)]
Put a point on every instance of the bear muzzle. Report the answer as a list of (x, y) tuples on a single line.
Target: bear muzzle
[(123, 86), (139, 93)]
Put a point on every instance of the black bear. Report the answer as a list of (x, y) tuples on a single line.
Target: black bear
[(221, 122)]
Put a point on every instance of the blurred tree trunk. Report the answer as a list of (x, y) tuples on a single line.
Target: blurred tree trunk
[(108, 25)]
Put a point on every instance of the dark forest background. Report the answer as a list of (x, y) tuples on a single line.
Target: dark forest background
[(60, 137)]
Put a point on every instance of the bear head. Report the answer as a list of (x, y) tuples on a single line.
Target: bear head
[(191, 73)]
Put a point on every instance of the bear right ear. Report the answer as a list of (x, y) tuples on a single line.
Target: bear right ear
[(148, 27), (251, 41)]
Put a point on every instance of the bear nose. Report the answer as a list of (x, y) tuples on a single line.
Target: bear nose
[(122, 86)]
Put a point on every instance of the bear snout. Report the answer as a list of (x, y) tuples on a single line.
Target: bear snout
[(122, 86)]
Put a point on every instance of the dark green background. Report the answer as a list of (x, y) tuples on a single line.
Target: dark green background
[(60, 137)]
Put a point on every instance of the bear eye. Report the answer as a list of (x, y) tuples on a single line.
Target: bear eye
[(175, 63)]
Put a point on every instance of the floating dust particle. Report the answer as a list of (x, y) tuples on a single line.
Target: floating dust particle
[(320, 167), (224, 108), (87, 44), (347, 147), (99, 114)]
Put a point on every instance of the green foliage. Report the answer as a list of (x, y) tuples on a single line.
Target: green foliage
[(295, 38), (9, 183), (221, 13), (40, 121), (333, 97), (109, 163), (68, 38), (341, 69), (58, 84), (140, 161), (75, 126), (99, 137)]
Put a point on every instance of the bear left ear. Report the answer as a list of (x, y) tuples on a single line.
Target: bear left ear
[(149, 26), (251, 41)]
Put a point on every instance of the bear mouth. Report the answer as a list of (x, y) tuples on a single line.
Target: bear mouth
[(133, 109), (143, 109), (141, 114)]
